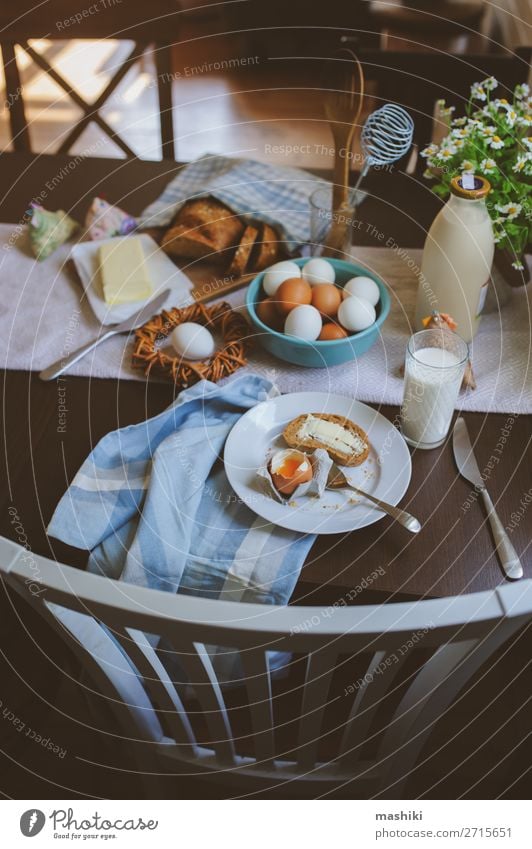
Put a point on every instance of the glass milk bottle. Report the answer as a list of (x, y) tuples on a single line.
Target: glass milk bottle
[(457, 257)]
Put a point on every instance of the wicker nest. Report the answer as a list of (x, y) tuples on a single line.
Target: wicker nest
[(220, 318)]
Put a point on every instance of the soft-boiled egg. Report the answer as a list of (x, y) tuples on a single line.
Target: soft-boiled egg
[(289, 469), (192, 341), (304, 322), (292, 293), (363, 287), (277, 274), (317, 271), (326, 299), (356, 314)]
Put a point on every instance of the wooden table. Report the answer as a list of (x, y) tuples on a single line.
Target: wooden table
[(453, 554)]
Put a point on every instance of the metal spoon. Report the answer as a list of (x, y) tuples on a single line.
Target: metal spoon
[(337, 480)]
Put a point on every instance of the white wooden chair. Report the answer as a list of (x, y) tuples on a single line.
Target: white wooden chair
[(106, 622)]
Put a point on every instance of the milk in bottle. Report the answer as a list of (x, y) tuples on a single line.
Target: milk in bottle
[(457, 257)]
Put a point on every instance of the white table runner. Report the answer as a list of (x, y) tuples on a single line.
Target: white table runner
[(44, 315)]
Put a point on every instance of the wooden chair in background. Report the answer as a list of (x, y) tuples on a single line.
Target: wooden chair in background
[(155, 25)]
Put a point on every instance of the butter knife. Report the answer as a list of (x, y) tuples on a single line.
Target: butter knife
[(129, 324), (468, 468)]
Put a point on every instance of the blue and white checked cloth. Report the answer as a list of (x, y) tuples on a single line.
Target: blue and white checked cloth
[(153, 505), (277, 195)]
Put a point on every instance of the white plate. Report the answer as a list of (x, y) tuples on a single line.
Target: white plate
[(385, 474), (164, 274)]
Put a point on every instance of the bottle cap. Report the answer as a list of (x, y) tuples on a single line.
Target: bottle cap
[(469, 186)]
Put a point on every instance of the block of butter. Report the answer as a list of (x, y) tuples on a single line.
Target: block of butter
[(124, 273)]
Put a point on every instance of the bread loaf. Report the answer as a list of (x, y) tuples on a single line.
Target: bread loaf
[(203, 227)]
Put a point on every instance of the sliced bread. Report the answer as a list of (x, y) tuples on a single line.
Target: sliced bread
[(345, 442)]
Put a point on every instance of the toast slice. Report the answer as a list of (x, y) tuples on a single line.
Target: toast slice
[(240, 260), (345, 442), (267, 251)]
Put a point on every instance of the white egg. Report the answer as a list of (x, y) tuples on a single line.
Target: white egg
[(363, 287), (304, 322), (192, 341), (277, 274), (356, 314), (317, 271)]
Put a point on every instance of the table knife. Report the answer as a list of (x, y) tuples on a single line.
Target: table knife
[(126, 326), (468, 468)]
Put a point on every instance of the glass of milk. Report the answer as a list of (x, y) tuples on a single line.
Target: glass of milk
[(434, 368)]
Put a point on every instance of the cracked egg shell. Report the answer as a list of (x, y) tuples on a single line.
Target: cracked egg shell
[(289, 469)]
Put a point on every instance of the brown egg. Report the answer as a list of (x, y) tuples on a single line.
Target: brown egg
[(289, 469), (326, 298), (331, 331), (268, 314), (292, 293)]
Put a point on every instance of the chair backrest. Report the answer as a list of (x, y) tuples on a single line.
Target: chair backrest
[(402, 665), (62, 20), (416, 80)]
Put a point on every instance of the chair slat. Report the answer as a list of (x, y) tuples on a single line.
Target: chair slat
[(159, 686), (258, 683), (202, 678), (93, 109), (434, 688), (370, 692), (15, 100), (320, 668), (163, 66)]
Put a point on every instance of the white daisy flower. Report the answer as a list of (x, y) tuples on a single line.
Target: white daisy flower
[(489, 84), (477, 92), (488, 166), (431, 150), (447, 151), (468, 167), (511, 117), (520, 163), (522, 91), (510, 210), (525, 120), (458, 143), (460, 133), (495, 142), (527, 143), (445, 111), (518, 265), (459, 122), (489, 130)]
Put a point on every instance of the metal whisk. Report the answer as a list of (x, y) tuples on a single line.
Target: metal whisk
[(386, 137)]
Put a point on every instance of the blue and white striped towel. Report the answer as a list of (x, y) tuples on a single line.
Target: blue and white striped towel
[(277, 195), (153, 505)]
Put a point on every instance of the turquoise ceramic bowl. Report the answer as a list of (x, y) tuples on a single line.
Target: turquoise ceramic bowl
[(319, 354)]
